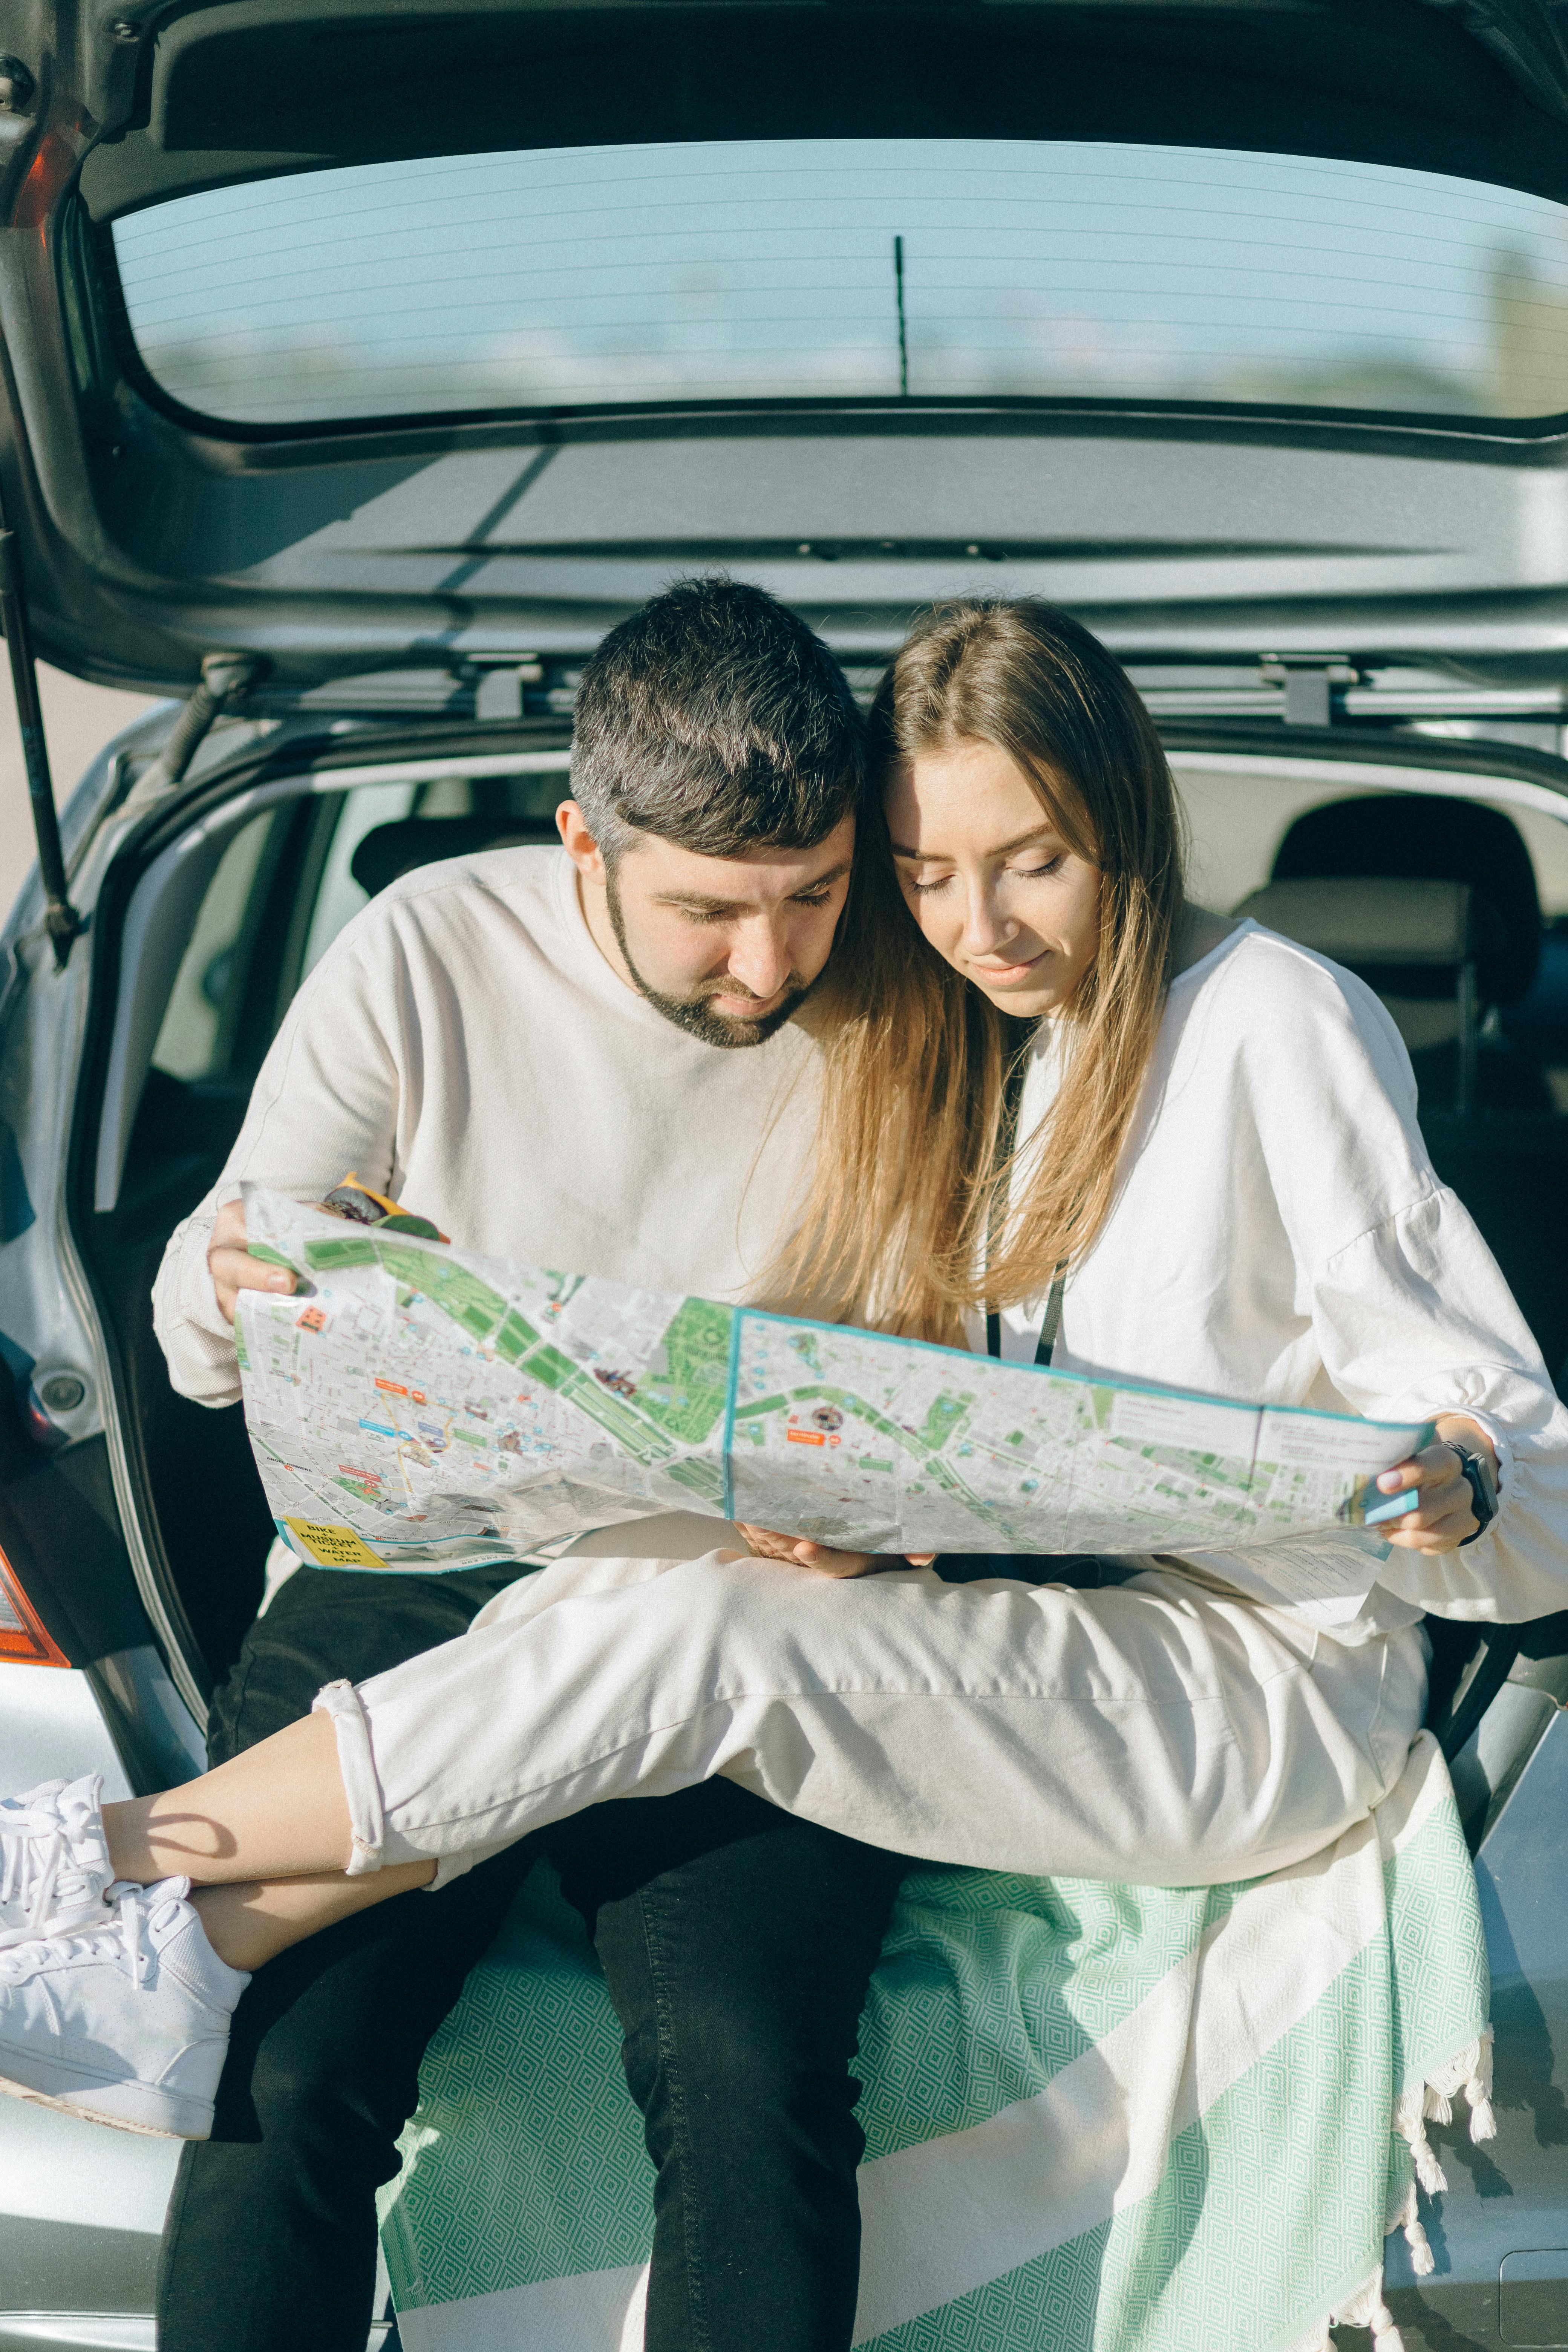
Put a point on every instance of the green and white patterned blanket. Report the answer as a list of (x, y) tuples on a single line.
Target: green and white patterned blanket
[(1100, 2118)]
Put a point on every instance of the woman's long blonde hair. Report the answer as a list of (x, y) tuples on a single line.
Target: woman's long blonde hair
[(912, 1153)]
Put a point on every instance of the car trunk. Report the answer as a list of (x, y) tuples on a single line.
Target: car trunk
[(214, 910), (1129, 306), (1336, 562)]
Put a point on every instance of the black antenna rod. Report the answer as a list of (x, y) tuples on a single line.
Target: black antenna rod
[(61, 917), (903, 333)]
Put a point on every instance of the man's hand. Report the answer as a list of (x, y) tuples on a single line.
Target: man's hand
[(767, 1544), (231, 1265), (1444, 1512)]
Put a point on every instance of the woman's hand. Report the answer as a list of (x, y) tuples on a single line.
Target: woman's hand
[(1444, 1514), (231, 1265), (767, 1544)]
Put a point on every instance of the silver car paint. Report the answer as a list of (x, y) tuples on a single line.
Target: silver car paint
[(82, 2208)]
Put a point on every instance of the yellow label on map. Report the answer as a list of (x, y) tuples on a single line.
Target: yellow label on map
[(333, 1546)]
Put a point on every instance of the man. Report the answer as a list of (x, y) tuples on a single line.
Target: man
[(596, 1061)]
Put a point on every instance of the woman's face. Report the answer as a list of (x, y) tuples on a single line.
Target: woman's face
[(993, 886)]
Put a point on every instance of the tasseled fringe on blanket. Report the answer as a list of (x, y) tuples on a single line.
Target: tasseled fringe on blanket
[(1365, 2309), (1368, 2309), (1470, 2071)]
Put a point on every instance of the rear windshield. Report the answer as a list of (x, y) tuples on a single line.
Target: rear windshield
[(752, 270)]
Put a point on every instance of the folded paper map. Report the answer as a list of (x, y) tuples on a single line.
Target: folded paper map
[(413, 1405)]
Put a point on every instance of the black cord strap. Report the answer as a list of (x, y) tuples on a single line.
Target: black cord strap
[(1006, 1140)]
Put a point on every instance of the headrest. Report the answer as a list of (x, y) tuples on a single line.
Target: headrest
[(391, 851), (1427, 836), (1391, 928)]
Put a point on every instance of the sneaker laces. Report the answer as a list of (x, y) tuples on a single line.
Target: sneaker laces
[(124, 1935), (40, 1868)]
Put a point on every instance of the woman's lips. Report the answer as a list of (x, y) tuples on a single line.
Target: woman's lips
[(1006, 975)]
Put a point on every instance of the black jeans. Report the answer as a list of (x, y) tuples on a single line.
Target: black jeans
[(737, 1943)]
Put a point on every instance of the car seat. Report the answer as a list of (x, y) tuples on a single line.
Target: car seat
[(1462, 1060), (390, 851), (1493, 1690), (1422, 945), (1433, 902)]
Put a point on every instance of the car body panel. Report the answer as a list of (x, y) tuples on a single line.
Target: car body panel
[(52, 1712), (1184, 528), (83, 2207), (1226, 543), (1506, 2196)]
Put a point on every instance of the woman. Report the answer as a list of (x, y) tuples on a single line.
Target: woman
[(1219, 1183)]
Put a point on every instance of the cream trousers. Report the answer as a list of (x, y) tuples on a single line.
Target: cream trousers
[(1152, 1732)]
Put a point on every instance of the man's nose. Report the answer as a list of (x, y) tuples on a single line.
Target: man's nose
[(759, 956)]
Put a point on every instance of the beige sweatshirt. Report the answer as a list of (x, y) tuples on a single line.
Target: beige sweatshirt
[(464, 1046)]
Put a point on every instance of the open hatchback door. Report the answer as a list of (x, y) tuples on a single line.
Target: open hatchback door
[(370, 340), (361, 363)]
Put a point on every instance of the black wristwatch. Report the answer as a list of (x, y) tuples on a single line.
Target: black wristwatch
[(1482, 1482)]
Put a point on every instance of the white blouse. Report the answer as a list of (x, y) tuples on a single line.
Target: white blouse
[(1279, 1235)]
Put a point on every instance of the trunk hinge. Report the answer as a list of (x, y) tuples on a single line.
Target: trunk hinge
[(1312, 686), (225, 677), (61, 917)]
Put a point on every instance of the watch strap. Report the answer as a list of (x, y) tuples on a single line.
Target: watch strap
[(1479, 1477)]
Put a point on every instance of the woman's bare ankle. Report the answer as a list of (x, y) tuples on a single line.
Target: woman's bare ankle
[(125, 1837), (244, 1937), (250, 1923)]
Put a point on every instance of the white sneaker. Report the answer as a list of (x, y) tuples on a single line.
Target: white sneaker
[(127, 2022), (54, 1861)]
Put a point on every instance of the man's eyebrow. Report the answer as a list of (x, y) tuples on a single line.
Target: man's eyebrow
[(1002, 849), (821, 881), (716, 905)]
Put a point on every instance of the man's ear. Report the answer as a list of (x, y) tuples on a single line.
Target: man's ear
[(579, 844)]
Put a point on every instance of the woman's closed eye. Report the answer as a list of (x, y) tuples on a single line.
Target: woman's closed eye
[(1018, 873), (1025, 864)]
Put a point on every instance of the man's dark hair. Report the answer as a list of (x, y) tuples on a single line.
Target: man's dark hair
[(715, 719)]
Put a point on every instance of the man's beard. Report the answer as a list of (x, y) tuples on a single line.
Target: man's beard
[(691, 1013)]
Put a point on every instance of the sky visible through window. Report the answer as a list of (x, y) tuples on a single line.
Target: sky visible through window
[(558, 277)]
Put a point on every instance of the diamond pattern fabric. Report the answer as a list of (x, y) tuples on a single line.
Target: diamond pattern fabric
[(1173, 2106)]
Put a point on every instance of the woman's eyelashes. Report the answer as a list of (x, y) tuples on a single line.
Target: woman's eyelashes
[(1038, 873)]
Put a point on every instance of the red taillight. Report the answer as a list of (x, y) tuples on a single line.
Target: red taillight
[(23, 1640)]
